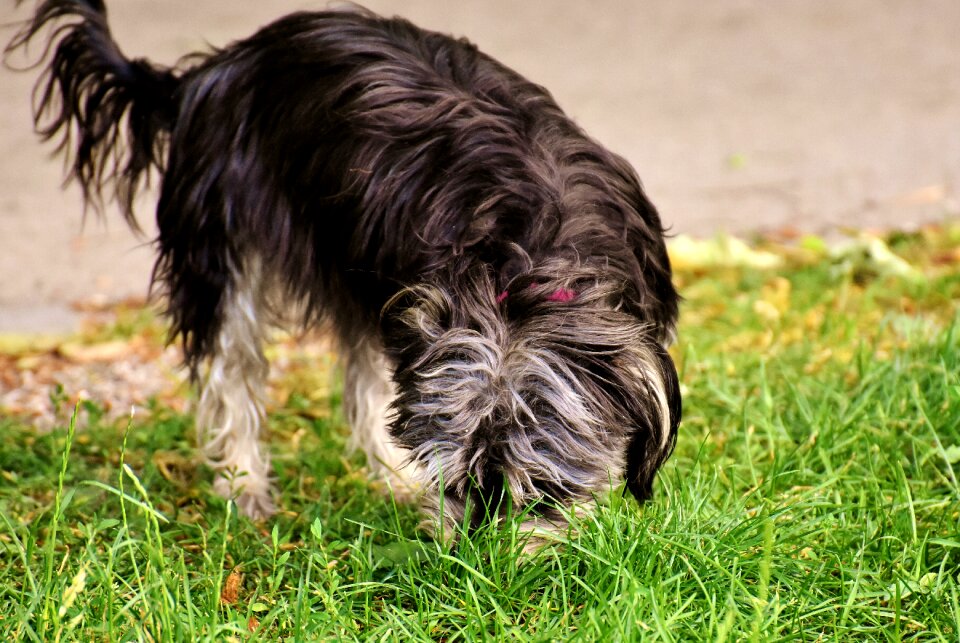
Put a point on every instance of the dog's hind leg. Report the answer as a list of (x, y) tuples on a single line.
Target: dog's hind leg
[(230, 415), (367, 394)]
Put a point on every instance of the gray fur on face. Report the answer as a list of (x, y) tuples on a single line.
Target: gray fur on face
[(540, 408)]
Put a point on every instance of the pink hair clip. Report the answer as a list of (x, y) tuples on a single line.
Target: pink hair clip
[(560, 294)]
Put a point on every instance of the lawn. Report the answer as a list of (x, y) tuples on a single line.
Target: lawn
[(813, 492)]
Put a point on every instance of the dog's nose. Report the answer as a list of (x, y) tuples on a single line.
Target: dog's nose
[(492, 501)]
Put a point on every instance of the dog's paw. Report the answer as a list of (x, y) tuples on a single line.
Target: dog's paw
[(253, 501)]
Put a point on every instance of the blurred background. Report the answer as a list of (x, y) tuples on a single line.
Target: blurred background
[(747, 117)]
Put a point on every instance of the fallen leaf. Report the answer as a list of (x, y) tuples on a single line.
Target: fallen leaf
[(871, 254), (766, 310), (928, 582), (952, 454), (103, 352), (689, 253), (231, 588)]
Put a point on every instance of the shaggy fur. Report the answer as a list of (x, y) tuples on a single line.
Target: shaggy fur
[(498, 279)]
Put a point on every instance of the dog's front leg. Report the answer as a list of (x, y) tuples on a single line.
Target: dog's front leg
[(368, 391)]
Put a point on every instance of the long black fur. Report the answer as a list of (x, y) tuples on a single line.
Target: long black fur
[(359, 157)]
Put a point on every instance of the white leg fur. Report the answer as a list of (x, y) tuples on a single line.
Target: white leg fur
[(231, 409), (367, 393)]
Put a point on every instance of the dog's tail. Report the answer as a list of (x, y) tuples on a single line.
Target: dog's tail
[(109, 113)]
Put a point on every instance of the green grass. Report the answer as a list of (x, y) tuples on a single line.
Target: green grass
[(813, 495)]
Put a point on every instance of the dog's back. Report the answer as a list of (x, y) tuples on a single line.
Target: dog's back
[(320, 141), (326, 137)]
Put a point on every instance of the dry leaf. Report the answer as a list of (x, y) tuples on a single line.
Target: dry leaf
[(871, 254), (103, 352), (231, 588), (689, 253)]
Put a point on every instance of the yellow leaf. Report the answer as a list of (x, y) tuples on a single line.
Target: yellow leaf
[(689, 253)]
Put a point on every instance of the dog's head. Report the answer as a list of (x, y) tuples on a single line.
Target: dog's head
[(544, 393)]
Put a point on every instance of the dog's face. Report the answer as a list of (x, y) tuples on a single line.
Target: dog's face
[(525, 394)]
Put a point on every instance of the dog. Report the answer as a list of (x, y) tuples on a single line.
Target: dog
[(498, 281)]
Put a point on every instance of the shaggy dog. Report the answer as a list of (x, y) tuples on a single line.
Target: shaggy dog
[(497, 280)]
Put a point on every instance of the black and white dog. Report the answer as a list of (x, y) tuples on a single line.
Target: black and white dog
[(497, 279)]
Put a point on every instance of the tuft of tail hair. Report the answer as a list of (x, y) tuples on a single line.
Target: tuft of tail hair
[(109, 113)]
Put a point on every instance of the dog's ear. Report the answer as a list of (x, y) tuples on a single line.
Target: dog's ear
[(649, 446), (424, 312), (414, 316)]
